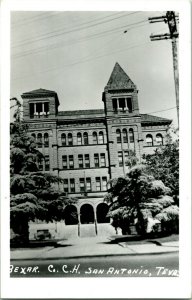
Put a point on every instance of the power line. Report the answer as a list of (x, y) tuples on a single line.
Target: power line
[(83, 61), (85, 39), (171, 19), (29, 19), (27, 41), (160, 110)]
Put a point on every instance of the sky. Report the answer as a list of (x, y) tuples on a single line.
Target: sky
[(73, 54)]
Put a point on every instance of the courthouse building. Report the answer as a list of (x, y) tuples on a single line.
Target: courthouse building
[(88, 147)]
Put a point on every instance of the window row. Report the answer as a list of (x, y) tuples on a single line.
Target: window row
[(85, 184), (83, 161), (123, 158), (43, 163), (122, 105), (39, 109), (149, 140), (41, 140), (82, 139), (122, 137)]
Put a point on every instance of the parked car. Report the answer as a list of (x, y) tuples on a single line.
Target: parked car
[(43, 234)]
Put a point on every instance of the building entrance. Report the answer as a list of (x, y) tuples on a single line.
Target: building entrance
[(86, 214)]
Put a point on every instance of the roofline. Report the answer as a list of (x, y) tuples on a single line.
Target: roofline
[(40, 95)]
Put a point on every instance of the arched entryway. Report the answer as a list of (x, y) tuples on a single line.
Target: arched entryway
[(102, 210), (70, 215), (86, 214)]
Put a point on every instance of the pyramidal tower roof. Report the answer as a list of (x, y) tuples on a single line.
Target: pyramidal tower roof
[(119, 79)]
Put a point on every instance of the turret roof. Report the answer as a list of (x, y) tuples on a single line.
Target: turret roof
[(119, 79)]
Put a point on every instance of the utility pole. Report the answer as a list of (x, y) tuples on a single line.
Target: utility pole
[(171, 19)]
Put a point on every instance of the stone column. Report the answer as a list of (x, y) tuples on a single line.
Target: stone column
[(79, 221), (95, 220)]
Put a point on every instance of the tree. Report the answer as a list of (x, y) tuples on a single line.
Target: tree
[(137, 197), (164, 164), (34, 194)]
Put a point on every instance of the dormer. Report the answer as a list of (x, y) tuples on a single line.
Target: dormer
[(120, 94), (40, 104)]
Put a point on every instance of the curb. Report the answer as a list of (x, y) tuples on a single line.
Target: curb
[(89, 256)]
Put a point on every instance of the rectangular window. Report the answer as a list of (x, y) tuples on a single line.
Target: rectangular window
[(80, 160), (46, 109), (120, 158), (31, 110), (39, 109), (47, 163), (115, 105), (40, 164), (64, 161), (71, 162), (129, 105), (82, 184), (88, 184), (103, 162), (72, 185), (104, 183), (126, 156), (122, 104), (98, 183), (65, 186), (87, 161), (96, 160)]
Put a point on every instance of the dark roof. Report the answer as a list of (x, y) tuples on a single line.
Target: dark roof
[(40, 91), (81, 112), (145, 118), (119, 79)]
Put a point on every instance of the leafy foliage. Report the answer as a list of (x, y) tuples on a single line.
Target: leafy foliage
[(34, 194), (164, 165), (137, 197)]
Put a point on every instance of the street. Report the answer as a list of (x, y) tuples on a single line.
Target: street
[(157, 265)]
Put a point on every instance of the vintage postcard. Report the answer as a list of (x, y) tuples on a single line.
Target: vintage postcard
[(95, 149)]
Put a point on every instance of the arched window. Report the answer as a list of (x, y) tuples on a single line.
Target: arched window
[(101, 137), (70, 215), (118, 135), (159, 139), (70, 139), (79, 139), (63, 139), (46, 140), (125, 137), (85, 138), (149, 140), (39, 140), (131, 135), (95, 141), (34, 136)]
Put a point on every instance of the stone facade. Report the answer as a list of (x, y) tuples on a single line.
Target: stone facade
[(89, 147)]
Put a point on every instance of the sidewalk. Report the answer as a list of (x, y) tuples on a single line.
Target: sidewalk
[(91, 247)]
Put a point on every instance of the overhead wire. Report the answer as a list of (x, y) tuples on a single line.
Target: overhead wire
[(83, 61), (27, 41), (159, 110), (29, 19), (85, 39)]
